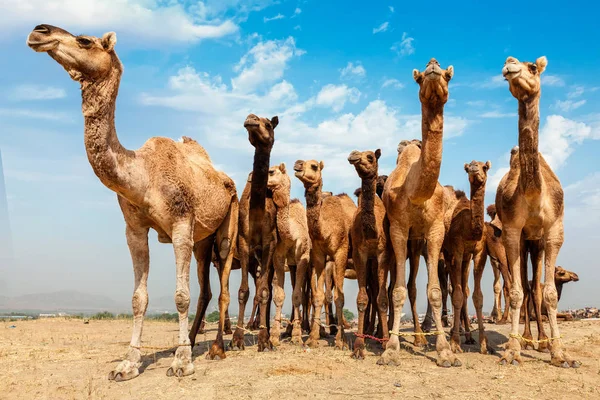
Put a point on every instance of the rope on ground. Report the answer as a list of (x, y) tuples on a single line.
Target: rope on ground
[(433, 333), (518, 336), (253, 333), (365, 336), (318, 321), (159, 347)]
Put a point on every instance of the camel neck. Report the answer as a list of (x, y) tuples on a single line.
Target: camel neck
[(477, 210), (529, 122), (107, 156), (313, 196), (559, 287), (281, 199), (367, 207), (432, 127), (260, 176)]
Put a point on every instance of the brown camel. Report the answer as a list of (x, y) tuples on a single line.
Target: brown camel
[(461, 246), (530, 205), (259, 237), (293, 241), (369, 243), (414, 202), (329, 222), (495, 250), (171, 187)]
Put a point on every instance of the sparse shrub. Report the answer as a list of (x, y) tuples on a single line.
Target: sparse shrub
[(103, 315), (349, 315), (212, 317)]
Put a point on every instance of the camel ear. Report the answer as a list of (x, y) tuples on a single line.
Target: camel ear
[(449, 73), (321, 165), (377, 153), (275, 121), (417, 76), (466, 168), (250, 177), (282, 168), (487, 166), (541, 64), (109, 39)]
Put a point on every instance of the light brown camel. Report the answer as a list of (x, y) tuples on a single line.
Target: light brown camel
[(259, 237), (329, 222), (293, 241), (497, 254), (461, 246), (414, 202), (530, 205), (171, 187), (369, 244)]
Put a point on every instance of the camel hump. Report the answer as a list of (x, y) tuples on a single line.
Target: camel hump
[(193, 144), (228, 183)]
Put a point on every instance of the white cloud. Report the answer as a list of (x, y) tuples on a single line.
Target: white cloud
[(393, 83), (35, 114), (576, 91), (38, 92), (405, 46), (558, 137), (494, 82), (582, 201), (381, 28), (336, 96), (274, 18), (297, 28), (552, 80), (568, 105), (391, 8), (353, 70), (154, 20), (476, 103), (264, 63), (297, 12), (497, 114)]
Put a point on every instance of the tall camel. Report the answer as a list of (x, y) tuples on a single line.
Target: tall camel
[(369, 243), (414, 202), (530, 205), (461, 246), (329, 222), (293, 241), (171, 187)]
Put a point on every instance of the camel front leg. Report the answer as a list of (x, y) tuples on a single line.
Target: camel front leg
[(435, 237), (553, 242), (414, 255), (511, 237), (264, 295), (298, 295), (497, 291), (457, 298), (341, 259), (465, 271), (317, 282), (536, 250), (278, 292), (202, 253), (362, 299), (237, 342), (182, 236), (479, 261), (137, 240), (383, 262)]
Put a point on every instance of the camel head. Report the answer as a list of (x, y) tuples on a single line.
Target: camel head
[(477, 171), (278, 178), (524, 78), (365, 162), (381, 179), (261, 131), (309, 172), (433, 83), (561, 275), (491, 211), (85, 58)]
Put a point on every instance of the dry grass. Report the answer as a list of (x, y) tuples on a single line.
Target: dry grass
[(65, 359)]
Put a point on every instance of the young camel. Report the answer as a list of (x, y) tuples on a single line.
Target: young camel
[(329, 222), (414, 202), (171, 187), (461, 246), (530, 204), (293, 241), (495, 250), (369, 243)]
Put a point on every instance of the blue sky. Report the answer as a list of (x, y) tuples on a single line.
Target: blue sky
[(338, 74)]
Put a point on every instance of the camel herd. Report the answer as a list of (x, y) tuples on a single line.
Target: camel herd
[(173, 188)]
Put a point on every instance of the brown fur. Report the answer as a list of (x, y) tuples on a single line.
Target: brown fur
[(414, 202), (369, 245), (530, 205), (329, 222), (171, 187)]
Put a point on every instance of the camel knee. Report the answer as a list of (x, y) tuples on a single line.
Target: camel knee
[(550, 297), (434, 295), (224, 299), (297, 298), (278, 296), (339, 298), (318, 298), (478, 299), (398, 296), (264, 296), (224, 248), (362, 300), (139, 302), (516, 298), (243, 295), (182, 300), (382, 301)]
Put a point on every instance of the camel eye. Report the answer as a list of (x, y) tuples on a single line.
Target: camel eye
[(533, 68), (370, 158), (268, 125), (84, 41), (314, 167)]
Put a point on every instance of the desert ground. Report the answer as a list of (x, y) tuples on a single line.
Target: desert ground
[(67, 359)]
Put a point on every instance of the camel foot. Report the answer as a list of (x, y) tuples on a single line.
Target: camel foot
[(323, 333), (502, 321), (512, 354), (340, 343), (128, 368), (274, 339), (455, 346), (447, 359), (312, 342), (182, 364), (227, 329), (288, 331), (237, 342), (561, 359), (469, 340), (264, 344), (217, 350), (420, 341), (297, 334), (359, 349), (543, 347), (445, 322), (390, 357), (483, 345), (426, 325)]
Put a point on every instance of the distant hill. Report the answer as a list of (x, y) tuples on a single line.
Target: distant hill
[(67, 300)]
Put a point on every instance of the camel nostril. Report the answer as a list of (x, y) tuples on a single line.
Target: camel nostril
[(41, 29)]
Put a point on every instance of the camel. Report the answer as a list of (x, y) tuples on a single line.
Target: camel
[(530, 205), (171, 187), (414, 202), (329, 222), (369, 243), (293, 241), (497, 254), (464, 242)]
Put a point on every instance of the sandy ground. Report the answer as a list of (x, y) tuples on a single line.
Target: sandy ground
[(66, 359)]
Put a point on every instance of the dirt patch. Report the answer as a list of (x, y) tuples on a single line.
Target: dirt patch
[(65, 359)]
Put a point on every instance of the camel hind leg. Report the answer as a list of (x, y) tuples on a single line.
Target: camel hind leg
[(202, 253), (536, 251), (414, 255)]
